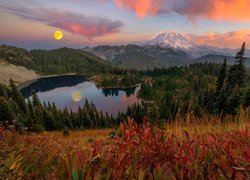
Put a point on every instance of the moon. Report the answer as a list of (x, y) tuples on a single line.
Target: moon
[(76, 96), (58, 35)]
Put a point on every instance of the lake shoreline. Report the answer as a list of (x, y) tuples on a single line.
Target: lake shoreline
[(118, 87), (27, 83), (95, 80), (91, 79)]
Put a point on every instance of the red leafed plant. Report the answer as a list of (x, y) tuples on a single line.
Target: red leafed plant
[(145, 152)]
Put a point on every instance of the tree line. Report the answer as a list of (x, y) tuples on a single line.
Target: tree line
[(230, 91)]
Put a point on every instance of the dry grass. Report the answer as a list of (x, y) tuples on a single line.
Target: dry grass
[(207, 124), (83, 138), (192, 125)]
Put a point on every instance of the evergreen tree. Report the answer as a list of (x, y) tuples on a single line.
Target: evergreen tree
[(236, 82), (3, 91), (31, 115), (35, 100), (220, 97), (246, 99), (241, 70), (49, 121), (17, 97), (221, 78), (6, 114), (14, 91)]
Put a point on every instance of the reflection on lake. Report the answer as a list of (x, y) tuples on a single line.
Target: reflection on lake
[(72, 91)]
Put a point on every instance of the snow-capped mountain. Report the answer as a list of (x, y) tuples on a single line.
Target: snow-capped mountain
[(172, 39), (165, 50)]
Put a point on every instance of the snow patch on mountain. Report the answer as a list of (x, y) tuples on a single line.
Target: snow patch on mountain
[(172, 39)]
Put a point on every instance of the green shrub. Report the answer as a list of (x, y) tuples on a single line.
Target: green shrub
[(66, 131), (38, 128)]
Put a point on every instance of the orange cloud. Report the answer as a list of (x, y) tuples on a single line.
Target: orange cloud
[(231, 39), (236, 10), (141, 7), (230, 10)]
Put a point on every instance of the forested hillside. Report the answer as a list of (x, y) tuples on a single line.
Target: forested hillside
[(59, 61), (202, 89), (215, 58)]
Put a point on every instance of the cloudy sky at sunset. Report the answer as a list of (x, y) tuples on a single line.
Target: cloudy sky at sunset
[(31, 23)]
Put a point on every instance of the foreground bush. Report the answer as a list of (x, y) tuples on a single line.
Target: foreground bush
[(32, 156), (137, 152), (147, 153)]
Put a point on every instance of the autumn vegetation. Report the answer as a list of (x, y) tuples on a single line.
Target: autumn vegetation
[(193, 124), (132, 151)]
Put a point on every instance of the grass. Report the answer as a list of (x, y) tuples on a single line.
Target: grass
[(206, 124), (190, 149), (82, 138)]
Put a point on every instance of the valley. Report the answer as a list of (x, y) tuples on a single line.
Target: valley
[(125, 90)]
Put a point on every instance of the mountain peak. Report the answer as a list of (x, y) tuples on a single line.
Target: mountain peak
[(172, 39)]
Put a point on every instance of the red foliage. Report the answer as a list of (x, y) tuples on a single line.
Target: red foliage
[(142, 152), (147, 153)]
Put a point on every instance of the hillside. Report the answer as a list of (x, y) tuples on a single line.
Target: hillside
[(58, 61), (142, 58), (18, 73)]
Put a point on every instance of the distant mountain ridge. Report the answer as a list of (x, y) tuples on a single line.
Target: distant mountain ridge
[(140, 57), (99, 59), (166, 49), (215, 58)]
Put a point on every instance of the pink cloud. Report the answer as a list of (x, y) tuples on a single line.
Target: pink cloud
[(141, 7), (87, 26), (232, 39)]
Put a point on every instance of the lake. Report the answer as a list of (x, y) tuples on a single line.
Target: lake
[(71, 91)]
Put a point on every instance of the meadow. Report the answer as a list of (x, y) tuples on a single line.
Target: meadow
[(190, 149)]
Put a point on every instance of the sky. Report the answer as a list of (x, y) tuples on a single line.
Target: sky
[(31, 23)]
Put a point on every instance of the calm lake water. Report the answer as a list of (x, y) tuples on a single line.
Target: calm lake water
[(72, 90)]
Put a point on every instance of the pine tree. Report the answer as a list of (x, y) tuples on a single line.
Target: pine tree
[(220, 97), (6, 114), (241, 70), (3, 91), (49, 121), (246, 99), (221, 78), (236, 82), (14, 91), (17, 97), (31, 114), (35, 100)]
